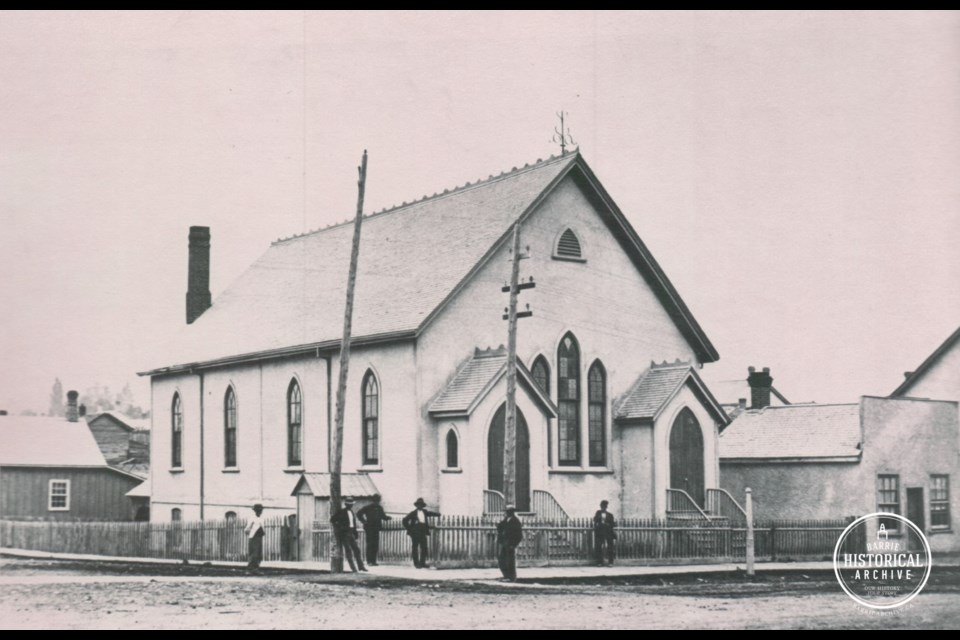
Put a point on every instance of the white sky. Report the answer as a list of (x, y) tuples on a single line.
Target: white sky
[(796, 174)]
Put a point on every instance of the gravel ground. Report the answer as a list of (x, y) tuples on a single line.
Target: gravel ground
[(72, 595)]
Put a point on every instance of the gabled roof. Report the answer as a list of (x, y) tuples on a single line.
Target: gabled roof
[(804, 432), (42, 441), (477, 377), (142, 490), (931, 360), (413, 259), (356, 485), (657, 386), (130, 424)]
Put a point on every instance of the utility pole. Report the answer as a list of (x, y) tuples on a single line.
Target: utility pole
[(336, 458), (510, 430)]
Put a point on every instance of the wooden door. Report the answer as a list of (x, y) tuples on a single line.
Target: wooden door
[(686, 456), (495, 443)]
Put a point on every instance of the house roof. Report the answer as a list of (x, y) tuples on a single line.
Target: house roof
[(477, 377), (48, 442), (413, 258), (357, 485), (799, 431), (657, 386), (130, 424), (142, 490), (931, 360)]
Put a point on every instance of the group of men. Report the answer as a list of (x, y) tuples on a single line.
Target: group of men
[(417, 525)]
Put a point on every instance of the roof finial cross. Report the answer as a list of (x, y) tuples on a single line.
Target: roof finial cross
[(562, 135)]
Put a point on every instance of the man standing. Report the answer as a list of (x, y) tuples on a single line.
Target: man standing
[(372, 516), (604, 533), (509, 537), (344, 524), (418, 528), (255, 532)]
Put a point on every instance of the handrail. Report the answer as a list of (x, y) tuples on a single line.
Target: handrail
[(720, 502), (547, 507), (493, 501), (677, 499)]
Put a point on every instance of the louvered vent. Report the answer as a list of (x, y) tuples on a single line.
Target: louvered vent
[(569, 245)]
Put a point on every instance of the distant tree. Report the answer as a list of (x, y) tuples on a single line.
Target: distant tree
[(56, 400), (99, 398)]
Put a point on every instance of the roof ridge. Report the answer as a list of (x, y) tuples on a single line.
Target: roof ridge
[(540, 162)]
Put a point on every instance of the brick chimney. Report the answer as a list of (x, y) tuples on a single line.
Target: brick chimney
[(760, 384), (82, 410), (72, 412), (198, 273)]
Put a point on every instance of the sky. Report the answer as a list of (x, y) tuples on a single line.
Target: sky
[(794, 173)]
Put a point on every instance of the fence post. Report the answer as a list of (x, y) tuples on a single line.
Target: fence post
[(751, 557)]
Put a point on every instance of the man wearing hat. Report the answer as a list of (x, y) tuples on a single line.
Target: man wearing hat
[(418, 528), (344, 524), (373, 516), (509, 537), (604, 533), (255, 532)]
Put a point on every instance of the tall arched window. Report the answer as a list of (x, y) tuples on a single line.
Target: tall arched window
[(294, 425), (568, 401), (541, 374), (230, 428), (176, 433), (371, 419), (453, 450), (597, 403)]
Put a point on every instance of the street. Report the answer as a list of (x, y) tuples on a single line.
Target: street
[(80, 595)]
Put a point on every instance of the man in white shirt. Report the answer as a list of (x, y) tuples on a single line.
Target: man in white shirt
[(255, 531), (344, 524)]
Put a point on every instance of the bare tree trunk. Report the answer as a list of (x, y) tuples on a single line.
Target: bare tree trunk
[(336, 458)]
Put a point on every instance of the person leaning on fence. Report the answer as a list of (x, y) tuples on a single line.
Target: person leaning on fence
[(255, 531), (604, 533), (418, 528), (372, 516), (344, 524), (509, 537)]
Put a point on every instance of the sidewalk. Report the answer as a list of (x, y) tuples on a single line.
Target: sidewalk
[(407, 572)]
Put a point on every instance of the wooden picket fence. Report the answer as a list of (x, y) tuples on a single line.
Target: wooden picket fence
[(470, 541), (221, 540)]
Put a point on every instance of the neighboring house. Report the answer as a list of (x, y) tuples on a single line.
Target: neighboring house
[(938, 376), (124, 441), (52, 469), (820, 461), (244, 405)]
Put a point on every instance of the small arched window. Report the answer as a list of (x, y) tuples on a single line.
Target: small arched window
[(568, 402), (453, 450), (541, 374), (176, 433), (230, 517), (175, 514), (568, 246), (597, 410), (371, 419), (230, 428), (294, 425)]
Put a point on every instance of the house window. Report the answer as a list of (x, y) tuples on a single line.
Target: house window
[(453, 450), (294, 425), (568, 246), (230, 517), (371, 419), (175, 515), (596, 403), (59, 495), (541, 374), (176, 441), (230, 429), (888, 499), (568, 397), (940, 501)]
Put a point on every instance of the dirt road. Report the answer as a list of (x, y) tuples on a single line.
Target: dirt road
[(43, 594)]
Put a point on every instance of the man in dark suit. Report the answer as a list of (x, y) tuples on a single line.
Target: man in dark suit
[(418, 528), (344, 524), (372, 516), (604, 533), (509, 537)]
